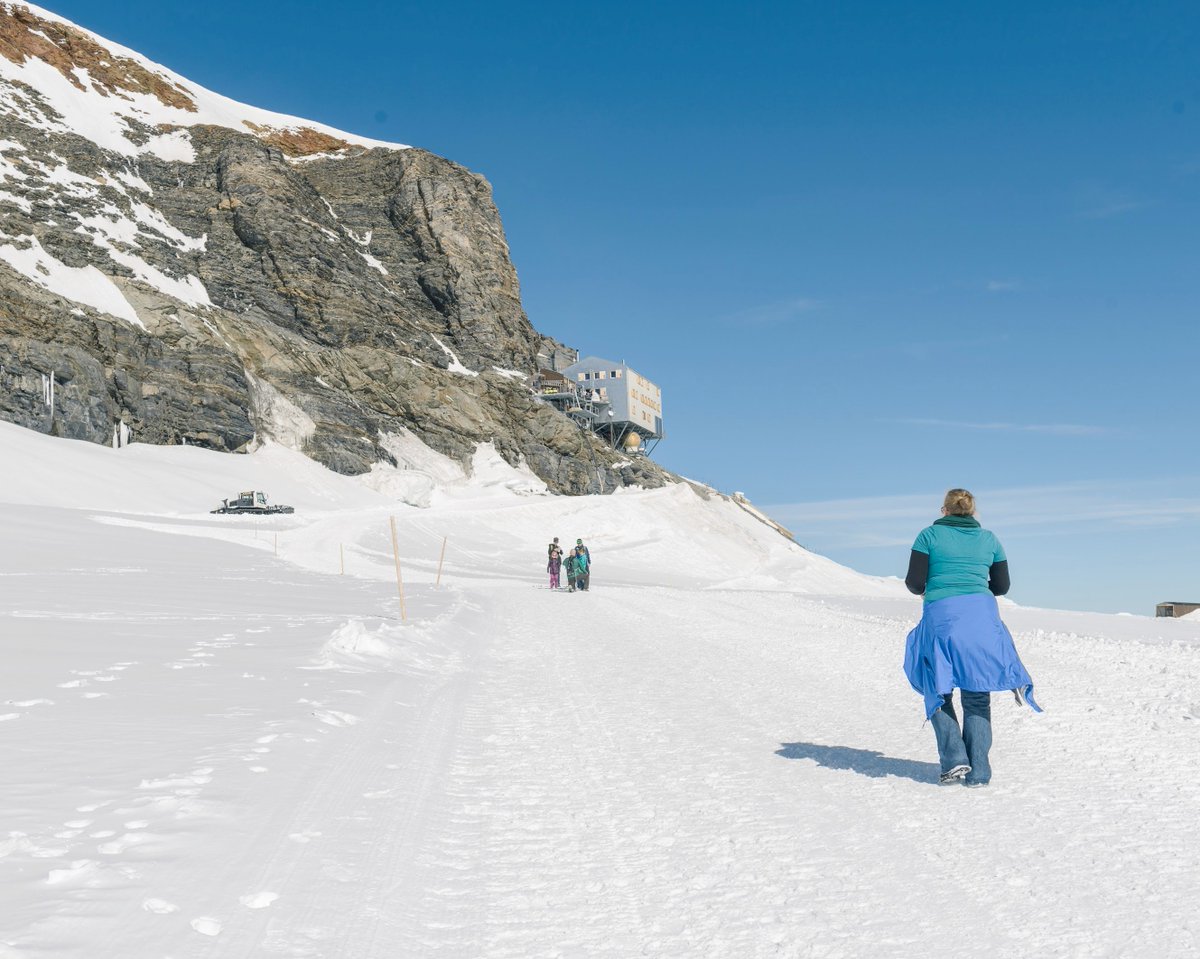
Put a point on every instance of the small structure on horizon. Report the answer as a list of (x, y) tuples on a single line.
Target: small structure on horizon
[(1175, 610)]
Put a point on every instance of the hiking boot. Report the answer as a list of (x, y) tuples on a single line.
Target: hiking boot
[(954, 775)]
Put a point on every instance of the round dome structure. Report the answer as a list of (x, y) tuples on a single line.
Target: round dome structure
[(631, 441)]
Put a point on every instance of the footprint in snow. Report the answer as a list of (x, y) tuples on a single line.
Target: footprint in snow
[(260, 900), (207, 926), (164, 783), (118, 846), (331, 717), (77, 870)]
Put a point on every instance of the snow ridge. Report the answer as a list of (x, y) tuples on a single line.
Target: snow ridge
[(135, 95)]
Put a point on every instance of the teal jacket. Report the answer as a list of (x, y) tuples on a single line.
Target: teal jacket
[(961, 554)]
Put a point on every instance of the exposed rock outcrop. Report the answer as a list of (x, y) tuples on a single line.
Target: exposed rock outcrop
[(220, 281)]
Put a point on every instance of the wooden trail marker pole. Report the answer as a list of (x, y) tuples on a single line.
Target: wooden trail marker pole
[(399, 578), (440, 558)]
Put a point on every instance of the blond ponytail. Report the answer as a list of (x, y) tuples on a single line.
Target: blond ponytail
[(959, 502)]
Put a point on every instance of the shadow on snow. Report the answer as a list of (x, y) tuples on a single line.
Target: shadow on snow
[(865, 762)]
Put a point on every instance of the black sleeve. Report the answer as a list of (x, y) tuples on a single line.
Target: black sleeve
[(998, 581), (918, 572)]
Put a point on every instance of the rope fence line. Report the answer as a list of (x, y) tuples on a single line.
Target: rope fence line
[(378, 554)]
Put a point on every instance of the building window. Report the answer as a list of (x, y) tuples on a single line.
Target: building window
[(582, 377)]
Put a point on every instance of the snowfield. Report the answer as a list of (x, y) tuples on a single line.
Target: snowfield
[(217, 745)]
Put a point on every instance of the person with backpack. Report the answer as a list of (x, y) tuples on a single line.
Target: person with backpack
[(553, 567), (553, 545), (583, 568), (960, 568)]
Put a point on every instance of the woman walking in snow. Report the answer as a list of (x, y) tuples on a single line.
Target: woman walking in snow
[(960, 568), (554, 566)]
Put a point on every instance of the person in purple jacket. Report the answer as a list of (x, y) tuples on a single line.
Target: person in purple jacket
[(554, 566), (961, 568)]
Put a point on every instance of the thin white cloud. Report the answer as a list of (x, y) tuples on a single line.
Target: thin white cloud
[(1096, 200), (1003, 286), (1053, 510), (773, 314), (1114, 207), (1053, 429)]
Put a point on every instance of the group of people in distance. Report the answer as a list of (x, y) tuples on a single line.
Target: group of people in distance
[(577, 565)]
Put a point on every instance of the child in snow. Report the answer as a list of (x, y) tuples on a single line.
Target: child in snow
[(571, 572), (960, 568), (553, 567)]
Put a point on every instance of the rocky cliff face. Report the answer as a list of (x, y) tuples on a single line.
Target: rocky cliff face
[(202, 271)]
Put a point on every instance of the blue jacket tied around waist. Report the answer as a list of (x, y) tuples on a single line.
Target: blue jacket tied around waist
[(961, 642)]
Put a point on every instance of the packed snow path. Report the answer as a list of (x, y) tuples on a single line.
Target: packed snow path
[(709, 790), (212, 751)]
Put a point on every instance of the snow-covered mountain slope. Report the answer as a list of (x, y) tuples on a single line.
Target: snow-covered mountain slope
[(666, 535), (217, 745), (196, 270), (66, 79)]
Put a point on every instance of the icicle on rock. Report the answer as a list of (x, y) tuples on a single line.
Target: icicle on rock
[(121, 435)]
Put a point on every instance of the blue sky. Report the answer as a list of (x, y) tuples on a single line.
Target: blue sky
[(869, 250)]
